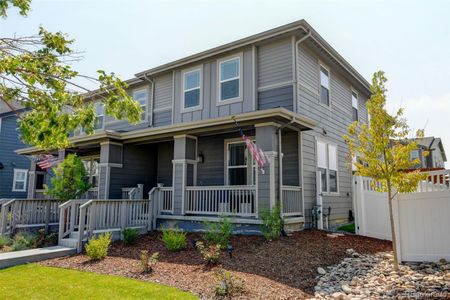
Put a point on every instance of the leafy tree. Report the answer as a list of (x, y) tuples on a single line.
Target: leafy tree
[(70, 180), (383, 150), (36, 72)]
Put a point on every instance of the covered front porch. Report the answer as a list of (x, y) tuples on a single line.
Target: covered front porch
[(202, 170)]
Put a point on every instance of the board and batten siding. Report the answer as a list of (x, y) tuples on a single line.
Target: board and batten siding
[(334, 120), (9, 142), (209, 107)]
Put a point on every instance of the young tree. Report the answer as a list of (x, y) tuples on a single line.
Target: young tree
[(383, 150), (70, 180), (36, 72)]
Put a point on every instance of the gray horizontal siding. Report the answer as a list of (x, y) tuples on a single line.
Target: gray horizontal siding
[(9, 142), (139, 166), (278, 97), (163, 91), (162, 118), (335, 121), (275, 63)]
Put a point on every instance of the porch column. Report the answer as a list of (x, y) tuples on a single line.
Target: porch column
[(267, 184), (110, 158), (184, 169), (31, 194)]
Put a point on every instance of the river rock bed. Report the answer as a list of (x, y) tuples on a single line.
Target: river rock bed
[(363, 276)]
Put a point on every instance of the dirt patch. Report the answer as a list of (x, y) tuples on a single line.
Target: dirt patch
[(282, 269)]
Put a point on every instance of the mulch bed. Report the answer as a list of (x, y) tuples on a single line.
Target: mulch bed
[(282, 269)]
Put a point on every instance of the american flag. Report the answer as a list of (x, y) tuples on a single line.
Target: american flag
[(47, 161), (256, 153)]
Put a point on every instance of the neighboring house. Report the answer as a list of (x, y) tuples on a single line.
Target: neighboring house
[(288, 89), (436, 157), (13, 167)]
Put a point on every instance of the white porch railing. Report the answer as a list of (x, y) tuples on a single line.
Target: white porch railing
[(136, 192), (292, 201), (112, 215), (216, 200), (28, 213)]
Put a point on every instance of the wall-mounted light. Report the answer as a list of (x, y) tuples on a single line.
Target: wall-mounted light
[(200, 158)]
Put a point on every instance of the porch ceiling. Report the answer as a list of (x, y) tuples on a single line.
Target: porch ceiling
[(280, 116)]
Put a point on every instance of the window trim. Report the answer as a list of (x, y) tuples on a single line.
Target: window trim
[(352, 90), (183, 91), (24, 181), (250, 163), (96, 116), (328, 144), (91, 159), (140, 89), (322, 65), (220, 61)]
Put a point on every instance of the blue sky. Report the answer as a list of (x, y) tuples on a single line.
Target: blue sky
[(409, 40)]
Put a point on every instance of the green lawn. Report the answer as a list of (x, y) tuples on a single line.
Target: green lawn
[(38, 282)]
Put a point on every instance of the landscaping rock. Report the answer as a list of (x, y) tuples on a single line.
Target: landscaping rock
[(363, 276), (321, 271)]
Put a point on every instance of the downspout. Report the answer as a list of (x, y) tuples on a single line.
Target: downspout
[(153, 98)]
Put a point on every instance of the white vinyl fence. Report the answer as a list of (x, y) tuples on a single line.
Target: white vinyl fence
[(422, 219)]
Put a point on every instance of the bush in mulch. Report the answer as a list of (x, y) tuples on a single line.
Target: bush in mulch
[(286, 268), (174, 239), (97, 248)]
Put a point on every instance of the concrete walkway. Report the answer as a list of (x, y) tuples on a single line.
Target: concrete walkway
[(15, 258)]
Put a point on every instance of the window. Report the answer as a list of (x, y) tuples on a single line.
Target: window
[(91, 166), (141, 96), (229, 79), (327, 166), (354, 106), (99, 115), (240, 168), (192, 89), (414, 154), (20, 180), (324, 86)]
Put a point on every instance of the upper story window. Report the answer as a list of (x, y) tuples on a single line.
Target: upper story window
[(230, 79), (327, 165), (20, 180), (192, 84), (141, 96), (414, 155), (99, 115), (324, 85), (354, 106)]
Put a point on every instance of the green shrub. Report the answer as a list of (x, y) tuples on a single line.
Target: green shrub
[(218, 233), (5, 241), (148, 262), (174, 239), (227, 284), (211, 253), (97, 248), (272, 223), (23, 241), (130, 236)]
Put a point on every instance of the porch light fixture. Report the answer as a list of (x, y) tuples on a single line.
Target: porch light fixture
[(200, 158), (230, 250)]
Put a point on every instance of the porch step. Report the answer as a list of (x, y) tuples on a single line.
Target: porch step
[(15, 258), (69, 242)]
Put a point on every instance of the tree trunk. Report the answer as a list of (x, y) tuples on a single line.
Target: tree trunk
[(394, 239)]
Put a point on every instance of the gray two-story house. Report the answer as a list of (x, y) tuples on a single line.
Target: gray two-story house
[(288, 90), (433, 147)]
